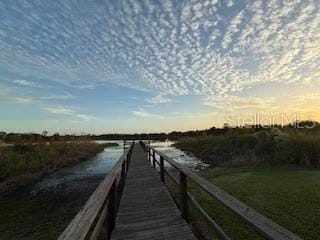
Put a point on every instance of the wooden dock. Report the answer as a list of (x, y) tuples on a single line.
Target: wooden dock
[(147, 211), (133, 202)]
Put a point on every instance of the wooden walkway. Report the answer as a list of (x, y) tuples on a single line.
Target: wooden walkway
[(147, 211)]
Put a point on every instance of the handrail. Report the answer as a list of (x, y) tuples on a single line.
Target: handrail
[(101, 206), (261, 223)]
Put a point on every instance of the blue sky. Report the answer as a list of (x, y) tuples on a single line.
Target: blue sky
[(148, 66)]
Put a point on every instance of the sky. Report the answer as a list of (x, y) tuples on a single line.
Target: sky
[(105, 66)]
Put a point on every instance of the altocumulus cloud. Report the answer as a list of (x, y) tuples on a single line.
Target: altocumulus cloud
[(26, 83), (173, 47), (159, 99)]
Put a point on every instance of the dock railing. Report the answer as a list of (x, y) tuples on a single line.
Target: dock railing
[(99, 213), (262, 224)]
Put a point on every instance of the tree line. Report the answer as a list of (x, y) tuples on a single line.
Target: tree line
[(310, 126)]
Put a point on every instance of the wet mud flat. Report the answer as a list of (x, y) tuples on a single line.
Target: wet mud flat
[(26, 214), (43, 210)]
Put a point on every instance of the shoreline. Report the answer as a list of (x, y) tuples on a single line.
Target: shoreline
[(33, 212), (11, 184)]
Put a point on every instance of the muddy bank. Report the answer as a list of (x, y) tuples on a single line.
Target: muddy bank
[(24, 164), (43, 215), (44, 209)]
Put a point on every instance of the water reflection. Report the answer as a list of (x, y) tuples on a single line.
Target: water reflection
[(96, 168), (72, 177), (179, 156)]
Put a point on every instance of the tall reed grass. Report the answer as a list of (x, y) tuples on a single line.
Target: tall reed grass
[(264, 147), (43, 157)]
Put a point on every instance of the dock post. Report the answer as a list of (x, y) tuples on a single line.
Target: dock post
[(127, 163), (154, 159), (123, 171), (184, 196), (147, 152), (112, 207), (162, 169)]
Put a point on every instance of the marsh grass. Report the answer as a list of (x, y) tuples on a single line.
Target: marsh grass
[(110, 144), (23, 163), (260, 148)]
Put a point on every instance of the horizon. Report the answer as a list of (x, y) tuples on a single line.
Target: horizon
[(298, 124), (156, 66)]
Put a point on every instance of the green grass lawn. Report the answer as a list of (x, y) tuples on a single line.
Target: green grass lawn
[(290, 197)]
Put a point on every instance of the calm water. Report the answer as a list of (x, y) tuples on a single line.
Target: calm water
[(94, 168), (179, 156), (97, 167)]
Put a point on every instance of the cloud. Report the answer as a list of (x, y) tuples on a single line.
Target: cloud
[(64, 96), (231, 103), (7, 96), (70, 112), (60, 110), (143, 114), (229, 3), (189, 48), (26, 83), (307, 97), (159, 99), (197, 115), (86, 117)]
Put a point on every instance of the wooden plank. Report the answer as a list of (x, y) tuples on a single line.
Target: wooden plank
[(112, 207), (183, 196), (96, 231), (261, 223), (147, 210)]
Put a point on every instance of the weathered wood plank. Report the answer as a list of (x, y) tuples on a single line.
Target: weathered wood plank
[(147, 210)]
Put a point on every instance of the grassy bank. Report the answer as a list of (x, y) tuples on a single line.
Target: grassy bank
[(24, 163), (289, 197), (260, 148), (276, 173)]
